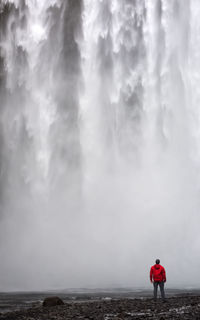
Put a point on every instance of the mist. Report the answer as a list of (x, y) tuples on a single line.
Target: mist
[(99, 143)]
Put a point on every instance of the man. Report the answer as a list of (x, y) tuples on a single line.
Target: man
[(158, 278)]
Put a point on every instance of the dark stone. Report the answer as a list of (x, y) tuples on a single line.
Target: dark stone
[(52, 301)]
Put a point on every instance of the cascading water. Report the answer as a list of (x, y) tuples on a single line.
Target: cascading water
[(99, 142)]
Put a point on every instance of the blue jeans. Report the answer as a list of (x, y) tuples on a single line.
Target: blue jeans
[(162, 291)]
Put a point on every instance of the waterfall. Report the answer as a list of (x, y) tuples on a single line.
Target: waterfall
[(99, 141)]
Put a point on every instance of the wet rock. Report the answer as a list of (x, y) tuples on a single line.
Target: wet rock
[(52, 302), (184, 308)]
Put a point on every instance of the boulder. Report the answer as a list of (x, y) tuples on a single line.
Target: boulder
[(52, 301)]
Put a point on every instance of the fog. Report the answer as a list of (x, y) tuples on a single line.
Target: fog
[(99, 143)]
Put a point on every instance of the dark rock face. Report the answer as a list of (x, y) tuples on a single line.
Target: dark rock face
[(52, 302)]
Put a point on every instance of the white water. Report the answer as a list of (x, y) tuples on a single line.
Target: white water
[(99, 142)]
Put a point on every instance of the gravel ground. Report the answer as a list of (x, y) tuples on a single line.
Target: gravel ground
[(186, 307)]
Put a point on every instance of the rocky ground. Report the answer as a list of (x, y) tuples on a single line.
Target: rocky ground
[(186, 307)]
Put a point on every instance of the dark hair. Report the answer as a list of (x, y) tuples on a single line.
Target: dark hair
[(157, 261)]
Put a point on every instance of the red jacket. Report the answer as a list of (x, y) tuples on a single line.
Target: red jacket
[(157, 273)]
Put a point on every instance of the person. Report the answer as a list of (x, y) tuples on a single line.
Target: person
[(158, 278)]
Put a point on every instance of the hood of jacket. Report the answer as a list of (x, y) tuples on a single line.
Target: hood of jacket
[(157, 266)]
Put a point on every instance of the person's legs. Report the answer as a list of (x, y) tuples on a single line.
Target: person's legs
[(162, 291), (155, 285)]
